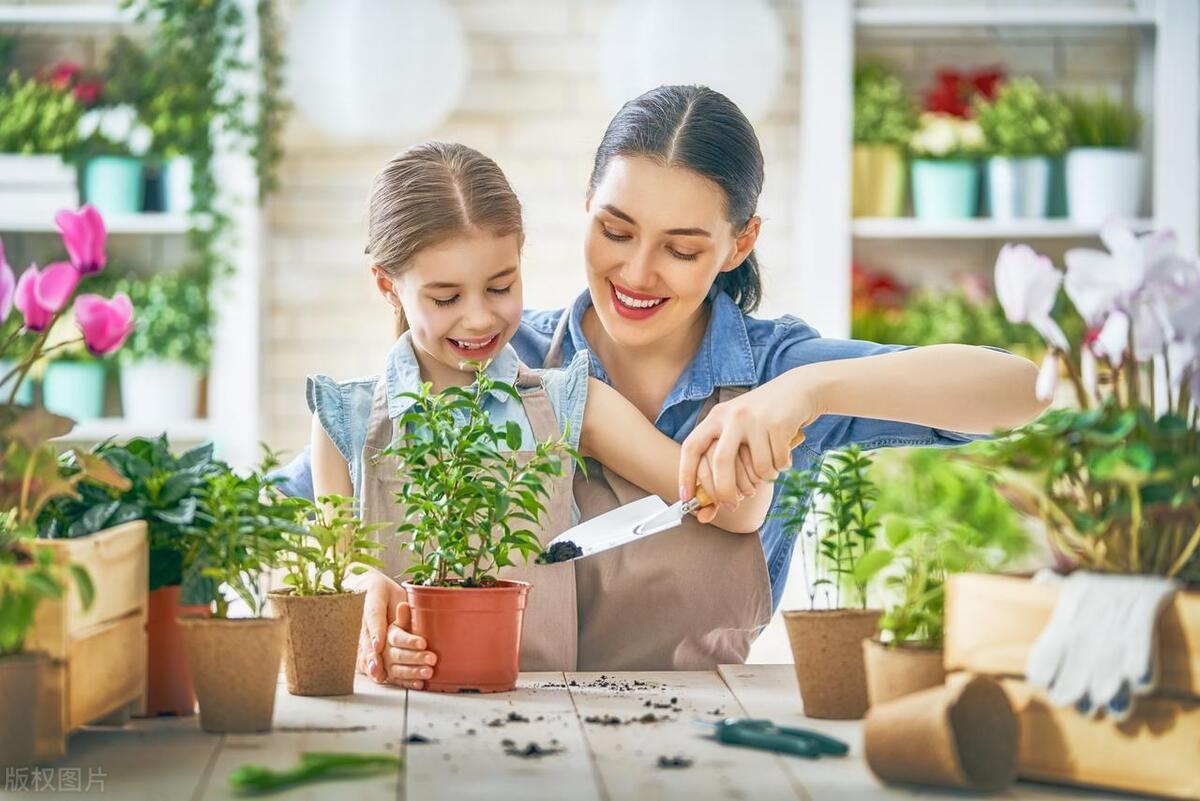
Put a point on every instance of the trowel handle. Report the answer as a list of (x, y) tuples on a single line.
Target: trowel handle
[(701, 499)]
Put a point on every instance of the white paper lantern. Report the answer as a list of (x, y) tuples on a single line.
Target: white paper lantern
[(736, 48), (382, 70)]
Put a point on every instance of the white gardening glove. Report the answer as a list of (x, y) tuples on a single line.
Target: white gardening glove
[(1099, 649)]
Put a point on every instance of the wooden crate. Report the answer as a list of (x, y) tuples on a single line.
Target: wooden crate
[(991, 625), (97, 656)]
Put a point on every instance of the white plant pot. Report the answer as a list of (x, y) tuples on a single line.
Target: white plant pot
[(177, 184), (1103, 182), (36, 186), (159, 392), (1018, 187)]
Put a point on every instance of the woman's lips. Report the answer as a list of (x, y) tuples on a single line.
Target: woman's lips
[(627, 303), (474, 348)]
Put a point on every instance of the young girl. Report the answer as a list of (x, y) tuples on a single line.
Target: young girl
[(445, 239)]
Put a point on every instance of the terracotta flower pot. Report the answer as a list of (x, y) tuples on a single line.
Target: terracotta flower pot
[(475, 632), (959, 735), (896, 671), (320, 640), (168, 677), (235, 668), (827, 648), (20, 688)]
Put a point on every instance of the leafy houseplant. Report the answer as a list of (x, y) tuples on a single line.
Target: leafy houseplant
[(826, 643), (884, 119), (112, 144), (1024, 127), (1104, 169), (945, 173), (36, 118), (470, 507), (323, 615)]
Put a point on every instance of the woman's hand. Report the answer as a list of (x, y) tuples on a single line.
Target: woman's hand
[(748, 440), (387, 651)]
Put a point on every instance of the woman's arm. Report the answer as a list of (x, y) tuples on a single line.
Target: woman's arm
[(330, 472), (616, 434), (953, 387)]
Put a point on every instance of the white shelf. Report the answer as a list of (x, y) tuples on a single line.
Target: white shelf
[(44, 14), (184, 431), (980, 228), (147, 223), (1082, 16)]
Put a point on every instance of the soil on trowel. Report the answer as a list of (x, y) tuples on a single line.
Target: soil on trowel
[(559, 552)]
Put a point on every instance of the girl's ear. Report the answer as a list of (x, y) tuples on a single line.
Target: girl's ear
[(385, 285), (744, 243)]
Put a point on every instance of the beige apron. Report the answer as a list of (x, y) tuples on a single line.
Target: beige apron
[(548, 633), (690, 598)]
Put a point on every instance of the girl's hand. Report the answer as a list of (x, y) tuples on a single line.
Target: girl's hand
[(387, 651), (749, 439)]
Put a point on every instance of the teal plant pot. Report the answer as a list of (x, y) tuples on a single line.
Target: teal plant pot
[(114, 184), (945, 190), (24, 394), (74, 389)]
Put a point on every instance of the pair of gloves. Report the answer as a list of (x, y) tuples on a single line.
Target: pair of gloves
[(1099, 650)]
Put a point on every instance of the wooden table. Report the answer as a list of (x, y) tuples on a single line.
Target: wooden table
[(467, 759)]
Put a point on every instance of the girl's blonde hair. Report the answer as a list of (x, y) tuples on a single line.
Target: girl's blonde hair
[(433, 192)]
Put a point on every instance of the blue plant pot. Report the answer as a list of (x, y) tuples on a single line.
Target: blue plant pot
[(24, 394), (114, 184), (945, 190), (74, 389)]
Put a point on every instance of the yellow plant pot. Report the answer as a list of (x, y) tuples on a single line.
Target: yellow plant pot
[(878, 181)]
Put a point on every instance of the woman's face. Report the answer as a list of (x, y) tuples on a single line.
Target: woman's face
[(657, 239)]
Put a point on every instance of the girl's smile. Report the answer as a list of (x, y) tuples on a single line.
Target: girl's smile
[(477, 348)]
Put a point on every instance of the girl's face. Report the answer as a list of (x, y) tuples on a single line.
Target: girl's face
[(462, 298), (657, 239)]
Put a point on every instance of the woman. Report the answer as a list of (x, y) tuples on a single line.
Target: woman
[(672, 278)]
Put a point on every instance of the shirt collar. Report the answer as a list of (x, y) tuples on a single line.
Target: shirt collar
[(724, 358), (403, 373)]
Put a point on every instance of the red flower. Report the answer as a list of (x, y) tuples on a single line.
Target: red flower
[(953, 90), (871, 289), (63, 74), (88, 92)]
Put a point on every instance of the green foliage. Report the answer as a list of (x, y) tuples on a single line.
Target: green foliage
[(847, 523), (1101, 122), (334, 542), (314, 766), (164, 490), (164, 89), (29, 575), (940, 516), (240, 525), (939, 316), (1023, 120), (36, 118), (174, 318), (470, 503), (884, 114)]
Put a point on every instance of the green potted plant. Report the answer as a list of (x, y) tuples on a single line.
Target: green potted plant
[(1104, 167), (323, 615), (827, 641), (112, 145), (945, 169), (235, 539), (884, 119), (1024, 126), (37, 129), (469, 507), (940, 516), (168, 352)]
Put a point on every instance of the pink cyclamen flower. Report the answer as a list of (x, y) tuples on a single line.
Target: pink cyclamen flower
[(105, 323), (1027, 286), (83, 235), (8, 285), (40, 294)]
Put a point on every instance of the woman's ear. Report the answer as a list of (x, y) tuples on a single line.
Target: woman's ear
[(386, 286), (744, 243)]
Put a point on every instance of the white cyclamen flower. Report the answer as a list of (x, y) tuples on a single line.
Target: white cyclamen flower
[(118, 124), (88, 124), (1027, 286)]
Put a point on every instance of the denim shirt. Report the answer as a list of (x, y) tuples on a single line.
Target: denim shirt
[(737, 351), (344, 407)]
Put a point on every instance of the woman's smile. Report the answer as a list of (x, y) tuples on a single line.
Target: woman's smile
[(635, 305)]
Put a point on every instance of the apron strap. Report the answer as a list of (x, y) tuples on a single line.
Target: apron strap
[(379, 423), (554, 355), (537, 405)]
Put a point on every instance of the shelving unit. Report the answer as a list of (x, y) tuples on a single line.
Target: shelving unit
[(1166, 89), (233, 380)]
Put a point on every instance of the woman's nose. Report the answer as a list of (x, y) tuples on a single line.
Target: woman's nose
[(638, 272)]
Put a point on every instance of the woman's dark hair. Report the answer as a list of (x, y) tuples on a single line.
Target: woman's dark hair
[(704, 131)]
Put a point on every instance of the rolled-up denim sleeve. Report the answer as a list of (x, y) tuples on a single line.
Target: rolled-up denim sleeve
[(327, 401), (567, 388), (295, 478)]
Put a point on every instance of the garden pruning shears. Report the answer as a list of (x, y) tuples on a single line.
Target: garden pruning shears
[(761, 733)]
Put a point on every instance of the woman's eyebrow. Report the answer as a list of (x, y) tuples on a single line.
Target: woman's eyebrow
[(620, 215)]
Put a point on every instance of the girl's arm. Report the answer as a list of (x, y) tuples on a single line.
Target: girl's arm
[(617, 435), (330, 473)]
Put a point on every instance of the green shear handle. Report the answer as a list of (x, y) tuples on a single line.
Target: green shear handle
[(760, 733)]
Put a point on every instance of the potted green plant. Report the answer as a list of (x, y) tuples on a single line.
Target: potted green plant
[(940, 516), (37, 129), (469, 506), (163, 490), (72, 379), (323, 615), (112, 144), (884, 119), (170, 349), (945, 169), (1104, 168), (1024, 126), (235, 539), (827, 642)]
